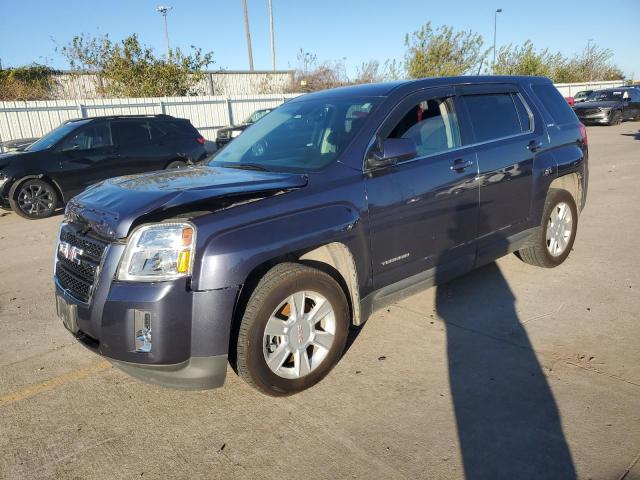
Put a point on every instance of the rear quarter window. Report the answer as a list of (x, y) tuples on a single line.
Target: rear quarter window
[(555, 104)]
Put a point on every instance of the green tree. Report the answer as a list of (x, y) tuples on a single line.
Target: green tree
[(523, 60), (32, 82), (592, 64), (130, 69), (443, 52)]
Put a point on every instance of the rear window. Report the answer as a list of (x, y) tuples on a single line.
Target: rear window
[(179, 127), (495, 116), (555, 104)]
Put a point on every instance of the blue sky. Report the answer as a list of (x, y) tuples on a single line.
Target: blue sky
[(332, 29)]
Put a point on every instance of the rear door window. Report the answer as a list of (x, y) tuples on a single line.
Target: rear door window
[(496, 115), (555, 104), (131, 132)]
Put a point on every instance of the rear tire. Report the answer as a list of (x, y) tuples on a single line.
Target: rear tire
[(283, 348), (554, 239), (34, 199)]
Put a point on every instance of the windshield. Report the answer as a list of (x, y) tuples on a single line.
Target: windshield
[(298, 136), (606, 96), (54, 136), (257, 115)]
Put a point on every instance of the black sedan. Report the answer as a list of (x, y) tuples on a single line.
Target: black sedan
[(610, 106), (226, 134)]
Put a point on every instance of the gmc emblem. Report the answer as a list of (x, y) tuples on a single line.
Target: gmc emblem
[(70, 252)]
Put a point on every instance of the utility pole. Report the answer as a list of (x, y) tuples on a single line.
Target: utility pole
[(495, 25), (163, 9), (248, 33), (273, 43)]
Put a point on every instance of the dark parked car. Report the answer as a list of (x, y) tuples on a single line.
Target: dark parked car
[(329, 208), (582, 95), (18, 144), (225, 134), (610, 106), (79, 153)]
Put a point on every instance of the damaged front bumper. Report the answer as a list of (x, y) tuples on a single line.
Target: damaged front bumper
[(188, 331)]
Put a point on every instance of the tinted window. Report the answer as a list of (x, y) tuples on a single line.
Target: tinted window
[(94, 136), (128, 132), (55, 136), (178, 127), (555, 104), (432, 124), (493, 116)]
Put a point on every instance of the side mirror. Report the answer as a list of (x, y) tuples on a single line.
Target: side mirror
[(393, 151)]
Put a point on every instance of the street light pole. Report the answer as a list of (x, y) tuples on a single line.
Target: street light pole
[(495, 26), (273, 43), (163, 9), (248, 33)]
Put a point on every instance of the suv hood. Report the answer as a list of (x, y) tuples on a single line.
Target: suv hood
[(9, 157), (111, 207)]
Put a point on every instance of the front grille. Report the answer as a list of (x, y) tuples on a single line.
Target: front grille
[(79, 277), (588, 111)]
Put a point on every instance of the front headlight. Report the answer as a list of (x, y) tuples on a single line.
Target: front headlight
[(162, 251), (3, 180)]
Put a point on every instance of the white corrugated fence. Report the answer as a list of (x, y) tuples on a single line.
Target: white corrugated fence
[(207, 113)]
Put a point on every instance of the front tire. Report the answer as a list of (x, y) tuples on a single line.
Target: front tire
[(554, 239), (34, 199), (293, 331), (616, 118)]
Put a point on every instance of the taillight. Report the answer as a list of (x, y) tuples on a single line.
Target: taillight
[(200, 140), (583, 132)]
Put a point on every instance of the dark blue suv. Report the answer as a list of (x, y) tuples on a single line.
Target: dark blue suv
[(331, 206)]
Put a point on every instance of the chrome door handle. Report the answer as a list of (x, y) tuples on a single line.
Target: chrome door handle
[(459, 165), (534, 145)]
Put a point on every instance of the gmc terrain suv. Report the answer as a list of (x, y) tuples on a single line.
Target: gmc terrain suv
[(333, 205), (46, 174)]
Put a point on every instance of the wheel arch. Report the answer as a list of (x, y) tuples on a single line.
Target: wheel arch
[(40, 176), (334, 258), (572, 183)]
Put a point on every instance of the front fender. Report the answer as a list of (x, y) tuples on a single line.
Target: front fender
[(229, 257)]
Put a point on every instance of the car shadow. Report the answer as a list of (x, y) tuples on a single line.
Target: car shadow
[(507, 419), (508, 423), (636, 135)]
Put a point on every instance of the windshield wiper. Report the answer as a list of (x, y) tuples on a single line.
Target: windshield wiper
[(248, 166)]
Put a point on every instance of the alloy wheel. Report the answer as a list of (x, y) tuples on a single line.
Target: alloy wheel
[(35, 200), (559, 229), (299, 334)]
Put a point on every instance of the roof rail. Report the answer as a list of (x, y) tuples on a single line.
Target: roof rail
[(141, 115)]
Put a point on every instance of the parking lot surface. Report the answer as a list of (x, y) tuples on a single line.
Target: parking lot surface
[(510, 372)]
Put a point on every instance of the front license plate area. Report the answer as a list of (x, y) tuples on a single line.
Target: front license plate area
[(68, 313)]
